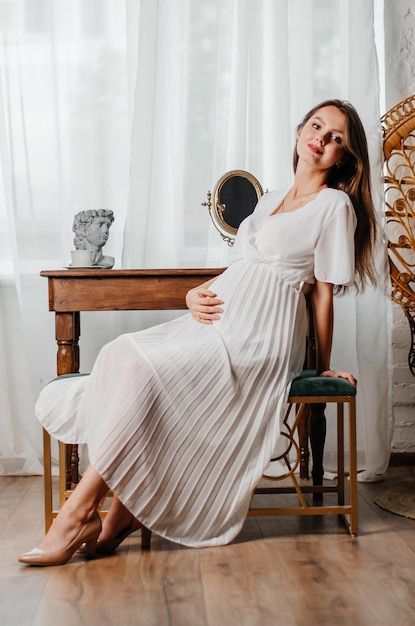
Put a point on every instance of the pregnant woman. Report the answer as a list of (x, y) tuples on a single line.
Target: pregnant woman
[(182, 419)]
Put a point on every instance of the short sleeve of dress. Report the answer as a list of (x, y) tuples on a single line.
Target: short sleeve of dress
[(334, 252)]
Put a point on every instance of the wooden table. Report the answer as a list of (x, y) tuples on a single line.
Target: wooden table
[(76, 290)]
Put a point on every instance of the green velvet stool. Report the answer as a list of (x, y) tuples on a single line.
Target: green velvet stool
[(308, 390)]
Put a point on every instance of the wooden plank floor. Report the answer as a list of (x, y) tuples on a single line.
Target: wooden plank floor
[(288, 571)]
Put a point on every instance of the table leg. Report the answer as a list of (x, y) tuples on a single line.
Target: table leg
[(303, 443), (47, 478), (63, 473), (67, 329)]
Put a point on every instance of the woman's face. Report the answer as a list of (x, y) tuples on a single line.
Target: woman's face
[(321, 140), (98, 232)]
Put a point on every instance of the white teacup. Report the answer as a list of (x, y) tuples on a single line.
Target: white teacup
[(81, 258)]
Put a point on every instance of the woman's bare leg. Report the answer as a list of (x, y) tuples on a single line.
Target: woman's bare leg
[(77, 510)]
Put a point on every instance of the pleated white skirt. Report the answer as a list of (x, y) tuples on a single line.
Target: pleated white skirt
[(182, 419)]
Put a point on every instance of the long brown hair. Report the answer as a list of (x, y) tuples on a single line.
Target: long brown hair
[(353, 177)]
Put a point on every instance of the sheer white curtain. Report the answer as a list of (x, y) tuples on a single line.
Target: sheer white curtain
[(143, 106), (64, 147), (228, 97)]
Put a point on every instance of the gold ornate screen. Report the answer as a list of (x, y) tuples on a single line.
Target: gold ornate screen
[(398, 126)]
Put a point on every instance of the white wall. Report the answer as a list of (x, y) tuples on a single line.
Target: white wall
[(403, 386)]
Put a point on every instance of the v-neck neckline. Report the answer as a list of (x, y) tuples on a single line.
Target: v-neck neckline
[(275, 213)]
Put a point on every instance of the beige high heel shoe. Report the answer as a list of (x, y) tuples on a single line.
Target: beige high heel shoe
[(109, 546), (88, 535)]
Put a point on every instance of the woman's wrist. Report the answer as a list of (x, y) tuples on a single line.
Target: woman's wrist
[(186, 299)]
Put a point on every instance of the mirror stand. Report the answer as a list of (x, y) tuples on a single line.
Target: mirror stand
[(234, 197), (221, 208)]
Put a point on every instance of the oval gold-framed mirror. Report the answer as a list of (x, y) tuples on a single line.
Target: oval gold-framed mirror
[(234, 197)]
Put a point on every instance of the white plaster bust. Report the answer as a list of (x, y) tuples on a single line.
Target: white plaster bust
[(91, 230)]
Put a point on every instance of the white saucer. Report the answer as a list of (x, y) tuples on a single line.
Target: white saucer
[(82, 267)]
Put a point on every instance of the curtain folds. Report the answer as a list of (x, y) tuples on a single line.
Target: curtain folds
[(143, 106)]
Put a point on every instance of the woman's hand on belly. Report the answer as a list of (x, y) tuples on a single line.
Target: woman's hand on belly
[(204, 305)]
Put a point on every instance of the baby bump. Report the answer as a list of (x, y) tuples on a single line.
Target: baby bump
[(254, 296)]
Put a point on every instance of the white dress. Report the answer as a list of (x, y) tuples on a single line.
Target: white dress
[(181, 419)]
